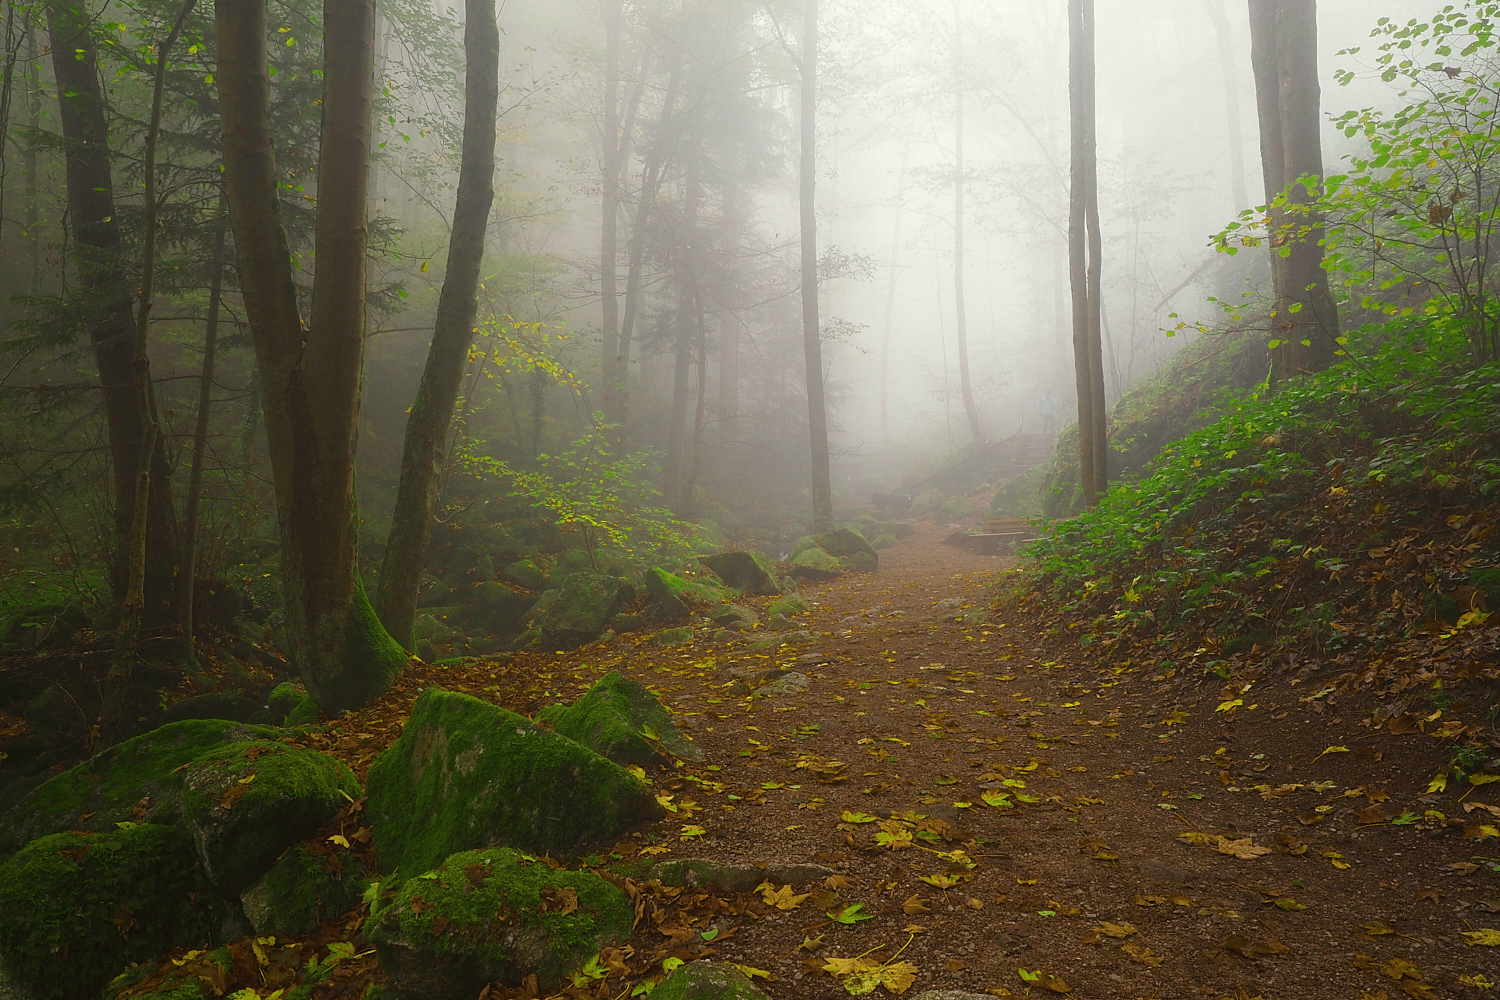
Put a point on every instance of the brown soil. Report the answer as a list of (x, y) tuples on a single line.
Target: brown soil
[(1088, 878)]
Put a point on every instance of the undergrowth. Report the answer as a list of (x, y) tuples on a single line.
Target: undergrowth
[(1247, 529)]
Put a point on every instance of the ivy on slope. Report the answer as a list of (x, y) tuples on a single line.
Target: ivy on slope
[(1260, 512)]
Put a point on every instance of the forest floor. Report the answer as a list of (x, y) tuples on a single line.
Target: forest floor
[(1150, 846)]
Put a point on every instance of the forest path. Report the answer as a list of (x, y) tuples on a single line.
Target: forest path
[(1080, 871)]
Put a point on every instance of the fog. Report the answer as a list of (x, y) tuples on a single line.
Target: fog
[(1172, 172)]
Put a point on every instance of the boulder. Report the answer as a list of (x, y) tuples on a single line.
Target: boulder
[(525, 573), (790, 683), (292, 705), (619, 719), (493, 915), (466, 774), (500, 609), (777, 641), (624, 624), (813, 564), (668, 593), (747, 572), (139, 780), (247, 802), (733, 616), (302, 890), (955, 508), (76, 908), (849, 550), (707, 981), (789, 605), (673, 637), (583, 609)]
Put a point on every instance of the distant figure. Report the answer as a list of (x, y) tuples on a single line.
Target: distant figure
[(1048, 406), (892, 504)]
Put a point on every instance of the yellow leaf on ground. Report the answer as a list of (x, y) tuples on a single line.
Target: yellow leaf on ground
[(783, 898), (1142, 954), (1439, 783), (1487, 936), (916, 904), (1243, 848), (1120, 930)]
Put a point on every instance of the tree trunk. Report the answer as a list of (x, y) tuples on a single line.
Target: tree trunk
[(1099, 409), (890, 304), (91, 211), (423, 454), (613, 145), (1310, 319), (310, 378), (1227, 63), (132, 609), (34, 119), (965, 383), (676, 465), (812, 341), (188, 576), (1082, 237)]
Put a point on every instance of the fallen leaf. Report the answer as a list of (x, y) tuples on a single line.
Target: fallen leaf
[(916, 904), (783, 898), (1142, 954), (1486, 936), (1243, 848), (1120, 930), (837, 882)]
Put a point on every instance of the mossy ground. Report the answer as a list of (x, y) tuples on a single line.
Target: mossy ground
[(466, 773), (75, 908), (496, 915)]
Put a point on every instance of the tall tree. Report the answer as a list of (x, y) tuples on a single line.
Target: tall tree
[(812, 340), (1227, 66), (612, 158), (106, 285), (310, 375), (1284, 53), (422, 455), (1084, 254), (965, 385)]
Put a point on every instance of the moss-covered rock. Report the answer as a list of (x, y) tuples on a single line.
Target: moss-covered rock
[(954, 508), (668, 593), (492, 915), (139, 780), (747, 572), (291, 704), (619, 719), (247, 802), (707, 981), (790, 605), (301, 891), (583, 609), (812, 563), (525, 573), (848, 549), (673, 637), (733, 616), (733, 878), (75, 908), (467, 774)]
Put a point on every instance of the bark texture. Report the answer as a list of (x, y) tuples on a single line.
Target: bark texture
[(104, 278), (1084, 255), (1284, 54), (812, 340), (423, 454), (310, 377)]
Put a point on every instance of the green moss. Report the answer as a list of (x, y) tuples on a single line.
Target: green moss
[(288, 792), (813, 563), (75, 908), (583, 609), (673, 637), (141, 772), (707, 981), (301, 891), (789, 605), (747, 572), (620, 719), (292, 705), (371, 660), (493, 915), (468, 774)]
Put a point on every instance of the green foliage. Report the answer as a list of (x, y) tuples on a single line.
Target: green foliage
[(1409, 227), (620, 719), (1412, 414)]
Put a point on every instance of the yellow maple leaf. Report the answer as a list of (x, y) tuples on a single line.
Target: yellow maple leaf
[(783, 898), (1439, 783), (1120, 930), (1487, 936)]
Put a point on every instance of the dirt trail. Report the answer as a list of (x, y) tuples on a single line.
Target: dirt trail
[(1082, 871)]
